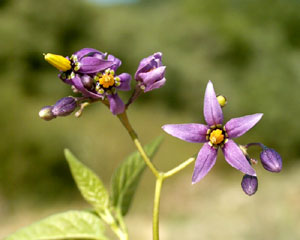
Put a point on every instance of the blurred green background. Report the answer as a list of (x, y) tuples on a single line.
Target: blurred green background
[(250, 49)]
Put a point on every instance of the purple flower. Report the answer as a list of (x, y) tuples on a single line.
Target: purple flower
[(151, 73), (271, 160), (215, 135), (103, 86), (249, 184)]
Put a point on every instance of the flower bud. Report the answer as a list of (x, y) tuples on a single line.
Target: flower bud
[(58, 61), (271, 160), (222, 100), (64, 106), (46, 113), (249, 184), (87, 81), (151, 73)]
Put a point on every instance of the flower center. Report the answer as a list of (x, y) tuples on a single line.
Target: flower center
[(216, 137), (107, 79)]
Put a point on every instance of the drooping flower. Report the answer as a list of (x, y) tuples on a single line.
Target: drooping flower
[(215, 135), (151, 73), (84, 61), (92, 73), (249, 184)]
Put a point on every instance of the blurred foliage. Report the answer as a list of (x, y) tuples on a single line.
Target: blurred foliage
[(250, 50)]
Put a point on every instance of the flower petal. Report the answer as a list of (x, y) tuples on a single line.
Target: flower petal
[(190, 132), (76, 81), (116, 62), (153, 75), (235, 157), (213, 114), (155, 85), (236, 127), (93, 65), (206, 159), (125, 82), (88, 51), (116, 104)]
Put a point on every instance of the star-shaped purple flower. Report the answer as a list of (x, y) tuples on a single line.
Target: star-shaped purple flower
[(215, 135)]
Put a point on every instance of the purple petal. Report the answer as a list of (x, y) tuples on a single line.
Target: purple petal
[(190, 132), (206, 159), (125, 82), (212, 110), (146, 64), (235, 157), (93, 65), (116, 62), (153, 75), (236, 127), (116, 104), (76, 81), (155, 85), (88, 51)]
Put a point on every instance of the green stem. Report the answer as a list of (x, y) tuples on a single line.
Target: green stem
[(123, 118), (179, 167), (110, 220), (155, 220)]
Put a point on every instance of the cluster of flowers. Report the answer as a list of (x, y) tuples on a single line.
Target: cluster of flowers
[(93, 74), (216, 135)]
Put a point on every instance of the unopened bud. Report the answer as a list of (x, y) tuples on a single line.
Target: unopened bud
[(222, 100), (271, 160), (46, 113), (58, 61), (64, 106), (87, 81), (249, 184)]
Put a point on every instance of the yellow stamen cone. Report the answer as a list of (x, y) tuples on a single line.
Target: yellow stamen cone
[(216, 136), (58, 61)]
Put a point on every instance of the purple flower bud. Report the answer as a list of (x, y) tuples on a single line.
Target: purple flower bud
[(249, 184), (64, 106), (46, 113), (271, 160), (151, 73), (87, 81)]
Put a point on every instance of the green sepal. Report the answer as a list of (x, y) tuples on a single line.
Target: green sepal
[(68, 225), (127, 176)]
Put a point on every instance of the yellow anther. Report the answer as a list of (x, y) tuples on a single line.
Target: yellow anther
[(222, 100), (107, 80), (58, 61), (216, 136)]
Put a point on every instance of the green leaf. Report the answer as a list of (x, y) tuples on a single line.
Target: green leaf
[(67, 225), (90, 186), (127, 176)]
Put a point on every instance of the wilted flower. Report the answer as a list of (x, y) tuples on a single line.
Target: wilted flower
[(249, 184), (215, 135), (271, 160), (151, 73)]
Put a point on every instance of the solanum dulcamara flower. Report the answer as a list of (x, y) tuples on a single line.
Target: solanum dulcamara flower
[(214, 134), (92, 73), (150, 74)]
